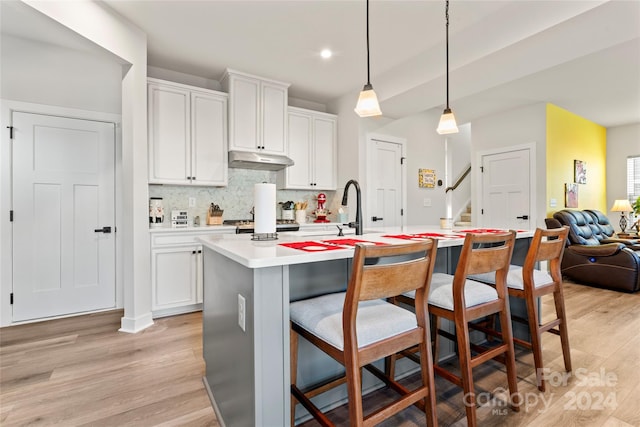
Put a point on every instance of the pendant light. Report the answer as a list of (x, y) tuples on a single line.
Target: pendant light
[(368, 101), (447, 120)]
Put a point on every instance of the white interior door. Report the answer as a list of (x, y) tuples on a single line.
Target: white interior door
[(506, 187), (385, 183), (63, 195)]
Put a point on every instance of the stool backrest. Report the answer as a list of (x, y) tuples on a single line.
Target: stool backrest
[(396, 269), (546, 245), (483, 253)]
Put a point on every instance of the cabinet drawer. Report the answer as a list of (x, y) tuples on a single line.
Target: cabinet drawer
[(172, 238)]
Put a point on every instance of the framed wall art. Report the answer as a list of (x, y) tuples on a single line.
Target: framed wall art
[(580, 172), (571, 195), (426, 178)]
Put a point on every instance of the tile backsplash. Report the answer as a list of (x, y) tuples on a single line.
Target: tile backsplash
[(237, 198)]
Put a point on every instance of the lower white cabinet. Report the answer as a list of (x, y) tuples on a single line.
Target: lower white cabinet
[(177, 277), (176, 270)]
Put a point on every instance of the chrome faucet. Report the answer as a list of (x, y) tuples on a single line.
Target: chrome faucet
[(358, 224)]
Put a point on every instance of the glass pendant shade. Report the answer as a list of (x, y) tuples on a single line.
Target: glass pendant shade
[(447, 123), (368, 103)]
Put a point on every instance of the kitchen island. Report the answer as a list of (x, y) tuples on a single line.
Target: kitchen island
[(247, 289)]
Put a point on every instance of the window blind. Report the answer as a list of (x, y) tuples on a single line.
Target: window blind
[(633, 178)]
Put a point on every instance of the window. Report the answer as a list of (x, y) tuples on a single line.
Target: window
[(633, 178)]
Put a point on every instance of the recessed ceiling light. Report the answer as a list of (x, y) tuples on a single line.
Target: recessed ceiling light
[(326, 53)]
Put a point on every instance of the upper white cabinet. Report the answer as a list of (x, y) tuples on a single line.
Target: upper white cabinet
[(187, 134), (313, 148), (257, 113)]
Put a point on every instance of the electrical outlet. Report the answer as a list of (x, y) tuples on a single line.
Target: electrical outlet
[(192, 202), (426, 202), (242, 314)]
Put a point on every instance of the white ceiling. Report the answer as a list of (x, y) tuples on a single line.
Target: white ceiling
[(583, 56)]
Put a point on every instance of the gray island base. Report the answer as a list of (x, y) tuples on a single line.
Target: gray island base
[(247, 289)]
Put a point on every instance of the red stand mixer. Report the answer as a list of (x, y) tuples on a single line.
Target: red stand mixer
[(321, 212)]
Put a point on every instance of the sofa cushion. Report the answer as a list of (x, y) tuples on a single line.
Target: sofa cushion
[(601, 225), (580, 231)]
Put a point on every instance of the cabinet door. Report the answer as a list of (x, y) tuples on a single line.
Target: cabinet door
[(169, 135), (324, 153), (174, 276), (244, 119), (274, 118), (299, 175), (208, 139)]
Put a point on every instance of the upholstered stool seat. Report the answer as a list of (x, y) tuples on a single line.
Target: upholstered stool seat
[(441, 294), (514, 278), (376, 320)]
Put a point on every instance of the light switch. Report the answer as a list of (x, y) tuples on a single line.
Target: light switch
[(426, 202), (553, 203)]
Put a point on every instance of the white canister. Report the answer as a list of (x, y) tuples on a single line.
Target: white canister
[(301, 216), (446, 223), (287, 214), (156, 212)]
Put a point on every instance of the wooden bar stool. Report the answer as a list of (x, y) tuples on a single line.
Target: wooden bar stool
[(359, 327), (529, 283), (462, 300)]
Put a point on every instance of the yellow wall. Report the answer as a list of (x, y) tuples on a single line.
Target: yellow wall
[(571, 137)]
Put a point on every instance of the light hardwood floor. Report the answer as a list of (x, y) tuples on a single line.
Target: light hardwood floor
[(81, 371)]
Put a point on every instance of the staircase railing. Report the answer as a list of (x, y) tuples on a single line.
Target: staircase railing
[(459, 180)]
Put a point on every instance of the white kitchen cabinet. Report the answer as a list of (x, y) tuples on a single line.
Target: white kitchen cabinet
[(313, 147), (187, 134), (176, 269), (257, 113), (177, 277)]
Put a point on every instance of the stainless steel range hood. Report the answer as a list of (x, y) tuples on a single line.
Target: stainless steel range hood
[(262, 161)]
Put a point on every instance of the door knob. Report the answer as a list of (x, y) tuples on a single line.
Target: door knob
[(105, 230), (523, 217)]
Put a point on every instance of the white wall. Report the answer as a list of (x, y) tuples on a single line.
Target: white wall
[(53, 75), (526, 125), (622, 142)]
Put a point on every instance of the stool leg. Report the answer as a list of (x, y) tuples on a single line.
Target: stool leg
[(536, 339), (510, 356), (426, 367), (558, 298), (354, 390), (390, 366), (293, 349), (435, 339), (466, 374)]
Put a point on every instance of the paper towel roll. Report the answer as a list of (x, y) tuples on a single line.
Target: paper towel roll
[(264, 202)]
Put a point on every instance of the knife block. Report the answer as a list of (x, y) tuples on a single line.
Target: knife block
[(215, 219)]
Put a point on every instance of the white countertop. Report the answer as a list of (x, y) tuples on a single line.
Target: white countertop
[(200, 228), (258, 254), (167, 228)]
